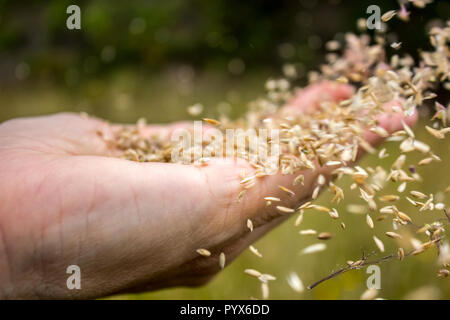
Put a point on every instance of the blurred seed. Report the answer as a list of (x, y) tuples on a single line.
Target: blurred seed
[(401, 254), (253, 273), (393, 235), (255, 251), (369, 221), (222, 260), (324, 236), (250, 225), (295, 282), (203, 252), (379, 243), (388, 15), (314, 248)]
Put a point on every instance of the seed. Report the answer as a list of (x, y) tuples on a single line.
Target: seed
[(343, 225), (315, 193), (401, 254), (265, 290), (265, 277), (439, 206), (295, 282), (290, 192), (443, 273), (272, 199), (401, 187), (425, 161), (195, 109), (255, 251), (222, 260), (388, 15), (369, 221), (212, 121), (389, 198), (299, 179), (203, 252), (393, 235), (308, 232), (333, 213), (321, 180), (417, 251), (314, 248), (408, 129), (396, 45), (324, 236), (379, 243), (250, 225), (253, 273), (418, 194), (299, 219), (381, 132), (241, 195), (435, 133)]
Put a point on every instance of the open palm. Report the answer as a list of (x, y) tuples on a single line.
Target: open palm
[(66, 200)]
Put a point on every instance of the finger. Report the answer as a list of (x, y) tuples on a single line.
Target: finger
[(312, 96)]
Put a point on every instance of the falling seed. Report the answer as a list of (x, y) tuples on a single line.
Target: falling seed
[(389, 198), (272, 199), (241, 195), (425, 161), (253, 273), (393, 235), (222, 260), (333, 213), (290, 192), (285, 209), (308, 232), (418, 194), (212, 121), (369, 221), (295, 282), (435, 133), (388, 15), (299, 219), (379, 243), (343, 225), (324, 236), (265, 277), (321, 179), (265, 290), (195, 109), (250, 225), (401, 188), (255, 251), (396, 45), (203, 252), (315, 193), (299, 179), (401, 254), (314, 248), (408, 129)]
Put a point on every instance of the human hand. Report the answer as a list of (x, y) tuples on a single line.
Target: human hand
[(66, 200)]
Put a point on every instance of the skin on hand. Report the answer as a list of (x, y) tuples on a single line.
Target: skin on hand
[(65, 200)]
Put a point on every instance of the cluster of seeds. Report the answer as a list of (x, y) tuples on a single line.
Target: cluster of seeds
[(332, 135)]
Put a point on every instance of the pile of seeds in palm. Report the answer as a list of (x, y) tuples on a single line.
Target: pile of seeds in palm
[(332, 135)]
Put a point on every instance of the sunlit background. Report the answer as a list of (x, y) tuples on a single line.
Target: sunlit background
[(152, 59)]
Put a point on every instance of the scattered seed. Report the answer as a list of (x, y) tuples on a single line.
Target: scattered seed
[(203, 252)]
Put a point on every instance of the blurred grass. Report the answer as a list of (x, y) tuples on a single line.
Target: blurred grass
[(126, 96)]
